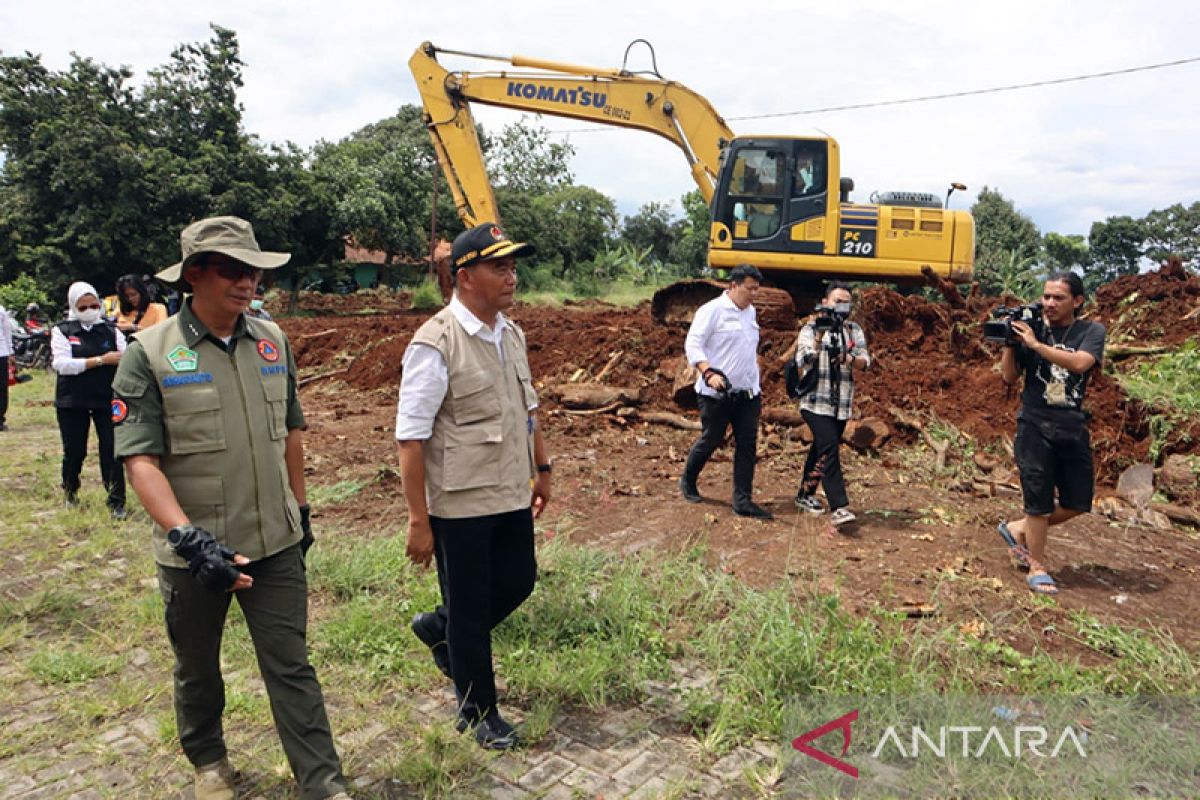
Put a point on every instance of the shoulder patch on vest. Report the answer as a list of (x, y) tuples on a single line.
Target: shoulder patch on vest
[(119, 411), (268, 350)]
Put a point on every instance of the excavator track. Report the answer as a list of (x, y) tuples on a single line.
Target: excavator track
[(676, 304)]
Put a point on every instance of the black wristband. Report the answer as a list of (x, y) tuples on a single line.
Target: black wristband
[(543, 467)]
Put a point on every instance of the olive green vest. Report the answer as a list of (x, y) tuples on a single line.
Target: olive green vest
[(479, 459), (225, 416)]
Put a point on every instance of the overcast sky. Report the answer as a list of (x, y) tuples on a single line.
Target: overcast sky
[(1067, 155)]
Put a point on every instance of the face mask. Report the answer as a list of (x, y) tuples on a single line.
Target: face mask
[(89, 316), (256, 304)]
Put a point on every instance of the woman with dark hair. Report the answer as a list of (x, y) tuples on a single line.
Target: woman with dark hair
[(137, 310), (86, 351)]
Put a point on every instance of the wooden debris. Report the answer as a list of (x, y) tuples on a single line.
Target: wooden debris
[(674, 420), (590, 395), (866, 433), (949, 291), (613, 406), (683, 390), (1114, 351), (317, 335), (939, 448), (1177, 513), (787, 417), (321, 377), (612, 362)]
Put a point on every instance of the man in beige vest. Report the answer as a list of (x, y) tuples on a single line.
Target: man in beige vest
[(470, 448), (209, 426)]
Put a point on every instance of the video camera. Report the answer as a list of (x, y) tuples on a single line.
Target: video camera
[(999, 327), (830, 318)]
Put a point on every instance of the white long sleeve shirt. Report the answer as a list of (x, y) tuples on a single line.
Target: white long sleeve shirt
[(6, 334), (60, 352), (727, 338), (426, 379)]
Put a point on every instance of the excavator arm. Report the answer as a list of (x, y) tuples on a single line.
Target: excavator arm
[(606, 96)]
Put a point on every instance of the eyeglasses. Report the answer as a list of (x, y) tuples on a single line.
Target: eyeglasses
[(236, 270), (93, 307)]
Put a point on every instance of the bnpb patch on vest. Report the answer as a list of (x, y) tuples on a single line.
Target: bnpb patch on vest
[(182, 359), (268, 350), (119, 411)]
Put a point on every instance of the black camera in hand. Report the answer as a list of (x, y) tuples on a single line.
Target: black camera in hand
[(209, 561), (999, 328), (830, 318)]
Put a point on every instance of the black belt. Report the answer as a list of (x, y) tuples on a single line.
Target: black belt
[(739, 394)]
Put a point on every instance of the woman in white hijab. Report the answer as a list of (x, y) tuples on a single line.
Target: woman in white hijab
[(84, 352)]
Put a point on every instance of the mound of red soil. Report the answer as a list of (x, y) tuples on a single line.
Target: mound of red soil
[(929, 359)]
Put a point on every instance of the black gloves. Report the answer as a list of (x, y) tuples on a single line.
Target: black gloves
[(209, 561), (306, 526)]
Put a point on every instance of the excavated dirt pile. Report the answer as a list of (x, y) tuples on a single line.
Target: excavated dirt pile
[(930, 359)]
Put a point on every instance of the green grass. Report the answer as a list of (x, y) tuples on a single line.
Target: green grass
[(1170, 386), (81, 625)]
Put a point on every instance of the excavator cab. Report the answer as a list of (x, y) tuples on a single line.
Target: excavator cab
[(772, 195)]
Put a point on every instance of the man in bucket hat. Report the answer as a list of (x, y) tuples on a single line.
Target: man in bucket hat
[(470, 450), (209, 426)]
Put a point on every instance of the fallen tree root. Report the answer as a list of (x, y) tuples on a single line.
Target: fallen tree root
[(614, 405), (939, 448), (665, 418), (321, 377)]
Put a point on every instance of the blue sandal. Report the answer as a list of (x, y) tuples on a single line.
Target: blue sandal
[(1041, 583), (1019, 553)]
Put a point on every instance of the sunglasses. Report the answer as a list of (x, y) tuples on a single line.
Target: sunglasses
[(235, 271)]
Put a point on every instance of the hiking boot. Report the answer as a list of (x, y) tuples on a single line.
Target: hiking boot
[(689, 491), (428, 628), (752, 510), (215, 781), (809, 503), (491, 733), (842, 516)]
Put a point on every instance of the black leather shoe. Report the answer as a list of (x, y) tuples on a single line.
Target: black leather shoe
[(491, 732), (429, 630), (689, 491), (752, 510), (118, 513)]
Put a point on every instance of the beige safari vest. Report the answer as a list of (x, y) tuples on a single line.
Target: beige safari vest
[(479, 459), (226, 425)]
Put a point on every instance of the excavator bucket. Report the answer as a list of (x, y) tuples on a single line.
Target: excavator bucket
[(676, 304)]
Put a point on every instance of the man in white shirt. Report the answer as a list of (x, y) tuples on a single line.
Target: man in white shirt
[(6, 351), (474, 469), (722, 343)]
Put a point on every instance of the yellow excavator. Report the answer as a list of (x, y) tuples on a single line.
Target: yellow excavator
[(777, 202)]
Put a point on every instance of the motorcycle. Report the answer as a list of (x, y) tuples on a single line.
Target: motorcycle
[(31, 348)]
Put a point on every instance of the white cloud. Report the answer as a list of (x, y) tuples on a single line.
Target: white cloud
[(1066, 154)]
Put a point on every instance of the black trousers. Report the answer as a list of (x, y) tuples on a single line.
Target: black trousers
[(716, 415), (276, 612), (486, 568), (824, 463), (73, 424), (3, 390)]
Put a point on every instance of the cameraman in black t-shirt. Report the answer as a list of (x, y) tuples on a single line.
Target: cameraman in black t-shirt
[(1052, 446)]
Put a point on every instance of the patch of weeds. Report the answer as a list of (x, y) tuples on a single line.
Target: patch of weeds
[(53, 665), (377, 566), (1146, 663), (372, 632), (334, 494), (442, 764)]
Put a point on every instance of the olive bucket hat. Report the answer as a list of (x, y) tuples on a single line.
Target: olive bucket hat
[(231, 236)]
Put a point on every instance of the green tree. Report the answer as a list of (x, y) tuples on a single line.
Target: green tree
[(1116, 249), (653, 227), (1064, 252), (523, 158), (579, 222), (1174, 230), (999, 230), (690, 250)]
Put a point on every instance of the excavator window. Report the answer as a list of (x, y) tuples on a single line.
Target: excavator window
[(756, 191)]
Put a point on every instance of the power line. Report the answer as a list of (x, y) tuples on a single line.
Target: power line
[(992, 90), (948, 95)]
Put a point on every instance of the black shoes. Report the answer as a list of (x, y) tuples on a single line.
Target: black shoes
[(752, 510), (429, 629), (689, 491), (118, 513), (491, 732)]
